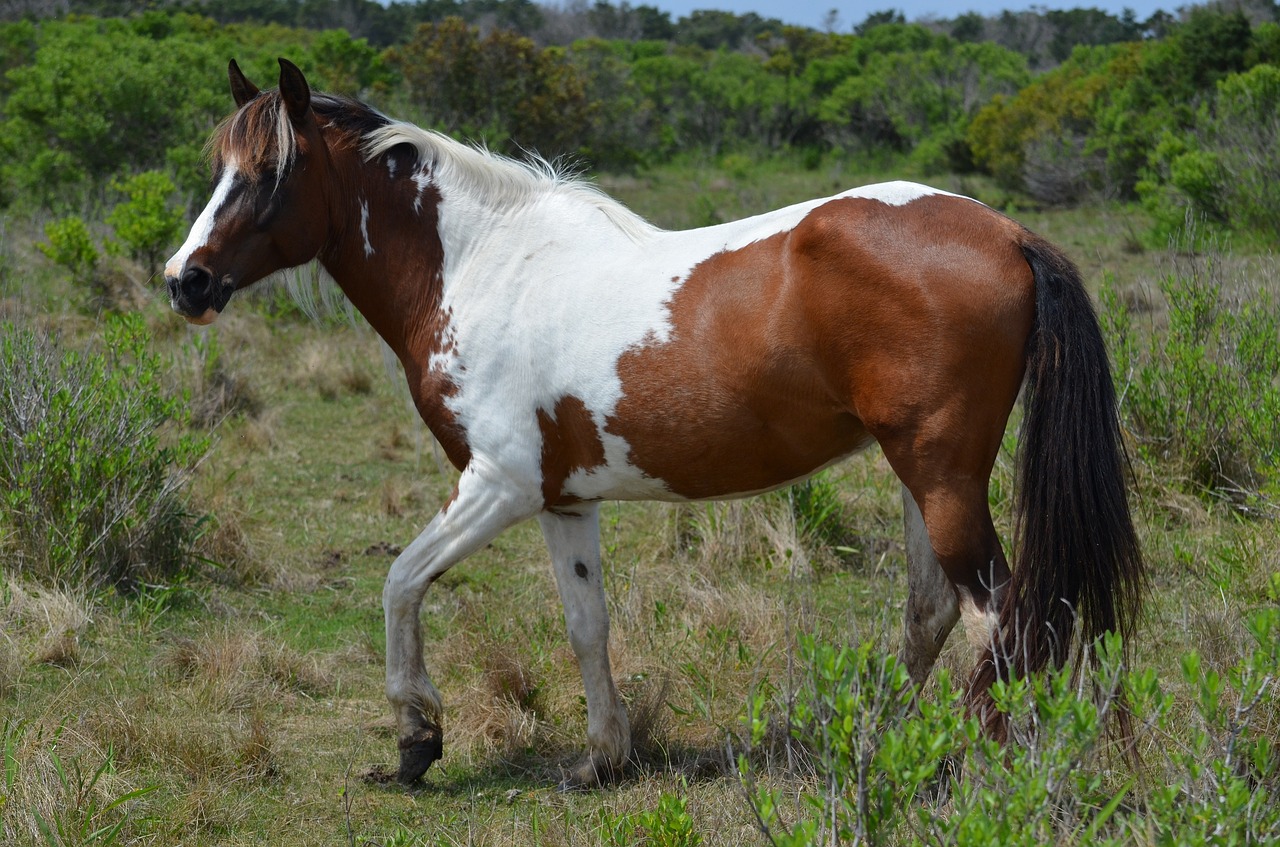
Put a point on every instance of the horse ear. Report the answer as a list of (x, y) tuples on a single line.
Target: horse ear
[(294, 90), (241, 89)]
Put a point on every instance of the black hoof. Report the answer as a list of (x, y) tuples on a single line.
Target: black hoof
[(417, 752)]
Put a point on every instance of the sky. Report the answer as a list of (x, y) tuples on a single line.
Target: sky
[(813, 13)]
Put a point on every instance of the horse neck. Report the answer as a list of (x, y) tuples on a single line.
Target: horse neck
[(404, 229), (385, 250)]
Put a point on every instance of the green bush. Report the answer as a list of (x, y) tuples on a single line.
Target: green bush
[(71, 247), (146, 223), (887, 772), (91, 478), (1244, 133), (1202, 398)]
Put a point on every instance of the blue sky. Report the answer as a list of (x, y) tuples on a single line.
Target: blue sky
[(812, 13)]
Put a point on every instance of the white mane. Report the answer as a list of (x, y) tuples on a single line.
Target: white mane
[(500, 179)]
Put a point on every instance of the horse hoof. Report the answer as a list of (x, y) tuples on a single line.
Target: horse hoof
[(417, 752), (589, 774)]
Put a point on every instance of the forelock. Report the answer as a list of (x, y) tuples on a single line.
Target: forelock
[(259, 137)]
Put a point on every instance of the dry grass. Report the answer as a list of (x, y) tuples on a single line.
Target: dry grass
[(64, 780), (11, 664), (231, 669), (330, 370), (45, 624), (259, 433), (402, 497)]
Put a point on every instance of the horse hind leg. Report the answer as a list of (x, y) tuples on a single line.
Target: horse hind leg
[(574, 544), (932, 604), (952, 544)]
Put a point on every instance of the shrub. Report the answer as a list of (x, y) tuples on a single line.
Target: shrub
[(887, 772), (1244, 133), (146, 223), (92, 481), (1203, 396), (71, 247)]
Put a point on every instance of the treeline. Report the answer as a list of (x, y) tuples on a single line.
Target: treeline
[(1044, 35), (1190, 122), (1185, 117)]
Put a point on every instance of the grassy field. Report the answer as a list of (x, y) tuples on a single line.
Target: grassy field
[(244, 703)]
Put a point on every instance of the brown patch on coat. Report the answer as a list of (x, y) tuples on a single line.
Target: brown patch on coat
[(902, 323), (570, 442), (399, 289)]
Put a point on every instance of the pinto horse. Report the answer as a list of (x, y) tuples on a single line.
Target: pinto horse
[(564, 351)]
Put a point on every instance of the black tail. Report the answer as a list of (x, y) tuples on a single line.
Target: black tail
[(1077, 559)]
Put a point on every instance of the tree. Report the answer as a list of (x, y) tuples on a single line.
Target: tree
[(875, 19), (502, 88)]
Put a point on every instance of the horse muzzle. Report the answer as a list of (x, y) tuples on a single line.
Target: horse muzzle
[(199, 296)]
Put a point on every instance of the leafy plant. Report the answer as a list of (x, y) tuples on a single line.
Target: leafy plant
[(71, 247), (147, 224), (92, 481), (669, 824), (1203, 395), (885, 770)]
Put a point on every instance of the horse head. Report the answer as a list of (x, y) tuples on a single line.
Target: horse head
[(268, 210)]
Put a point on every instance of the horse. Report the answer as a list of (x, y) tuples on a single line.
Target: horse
[(564, 351)]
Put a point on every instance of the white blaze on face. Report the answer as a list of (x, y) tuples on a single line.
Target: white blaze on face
[(203, 227)]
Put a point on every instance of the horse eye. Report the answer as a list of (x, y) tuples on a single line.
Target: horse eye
[(266, 207)]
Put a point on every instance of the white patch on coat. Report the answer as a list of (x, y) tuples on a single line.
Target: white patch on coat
[(203, 227), (422, 179), (897, 193), (364, 228)]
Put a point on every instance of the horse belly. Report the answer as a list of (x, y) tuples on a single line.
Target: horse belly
[(710, 454)]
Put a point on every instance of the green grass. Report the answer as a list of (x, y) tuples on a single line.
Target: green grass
[(250, 700)]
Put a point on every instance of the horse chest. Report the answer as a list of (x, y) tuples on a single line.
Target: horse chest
[(527, 373)]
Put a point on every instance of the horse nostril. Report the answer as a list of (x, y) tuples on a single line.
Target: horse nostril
[(196, 280), (172, 283)]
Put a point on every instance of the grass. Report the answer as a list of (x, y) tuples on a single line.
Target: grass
[(248, 700)]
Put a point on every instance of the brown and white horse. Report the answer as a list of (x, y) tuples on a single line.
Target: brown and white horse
[(564, 351)]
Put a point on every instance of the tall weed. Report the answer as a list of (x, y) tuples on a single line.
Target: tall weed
[(887, 770), (92, 469), (1202, 396), (59, 798)]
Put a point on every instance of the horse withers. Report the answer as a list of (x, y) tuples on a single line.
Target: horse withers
[(564, 351)]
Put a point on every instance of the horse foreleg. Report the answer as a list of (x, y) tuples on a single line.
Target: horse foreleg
[(482, 506), (574, 543), (932, 606)]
